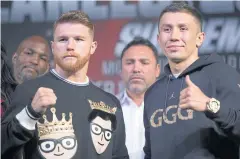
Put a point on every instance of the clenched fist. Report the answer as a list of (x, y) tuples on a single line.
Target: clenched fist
[(43, 98)]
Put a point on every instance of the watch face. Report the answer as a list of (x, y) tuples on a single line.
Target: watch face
[(214, 106)]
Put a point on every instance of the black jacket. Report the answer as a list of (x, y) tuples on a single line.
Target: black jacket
[(173, 133), (71, 98)]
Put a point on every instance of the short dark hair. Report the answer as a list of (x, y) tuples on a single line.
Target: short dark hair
[(183, 7), (103, 115), (75, 17), (141, 41)]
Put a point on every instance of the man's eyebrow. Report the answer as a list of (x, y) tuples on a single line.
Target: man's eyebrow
[(64, 36), (129, 59), (140, 59), (170, 25), (61, 37), (166, 25), (41, 53)]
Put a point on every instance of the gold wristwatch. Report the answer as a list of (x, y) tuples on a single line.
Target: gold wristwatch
[(213, 105)]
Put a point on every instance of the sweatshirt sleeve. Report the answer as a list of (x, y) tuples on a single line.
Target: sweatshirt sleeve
[(119, 147), (227, 81), (18, 124), (147, 146)]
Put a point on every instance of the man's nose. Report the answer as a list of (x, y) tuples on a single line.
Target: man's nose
[(71, 44), (35, 59), (137, 67), (175, 34)]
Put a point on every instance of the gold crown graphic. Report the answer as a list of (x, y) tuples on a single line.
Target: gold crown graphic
[(55, 126), (103, 107)]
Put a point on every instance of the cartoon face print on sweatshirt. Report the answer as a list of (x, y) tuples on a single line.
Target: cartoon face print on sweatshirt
[(57, 139), (101, 133), (102, 124)]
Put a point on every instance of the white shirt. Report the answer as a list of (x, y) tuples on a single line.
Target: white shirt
[(176, 75), (134, 127)]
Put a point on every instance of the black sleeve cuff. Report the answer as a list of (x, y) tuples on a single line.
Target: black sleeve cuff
[(222, 117), (33, 114)]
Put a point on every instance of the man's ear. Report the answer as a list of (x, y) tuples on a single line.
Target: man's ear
[(200, 39), (158, 71), (14, 58), (93, 47), (52, 46)]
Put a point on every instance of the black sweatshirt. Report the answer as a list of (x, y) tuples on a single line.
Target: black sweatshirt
[(173, 133), (20, 131)]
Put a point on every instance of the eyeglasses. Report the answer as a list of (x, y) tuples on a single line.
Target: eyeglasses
[(48, 145), (97, 130)]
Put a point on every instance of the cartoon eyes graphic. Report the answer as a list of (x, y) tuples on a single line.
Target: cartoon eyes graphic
[(48, 145), (97, 130), (68, 143)]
